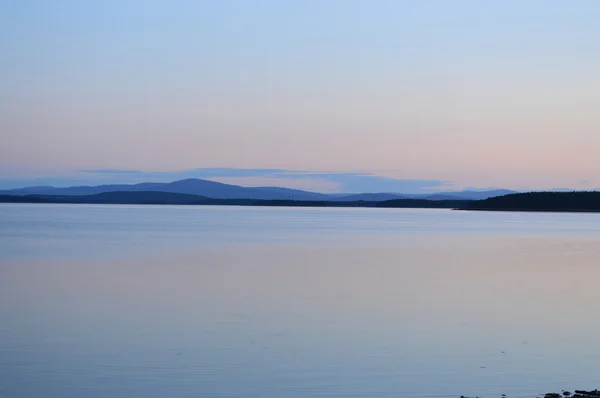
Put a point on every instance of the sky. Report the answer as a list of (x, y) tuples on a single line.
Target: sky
[(337, 95)]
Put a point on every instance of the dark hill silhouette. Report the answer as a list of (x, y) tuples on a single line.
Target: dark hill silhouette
[(451, 195), (119, 197), (150, 197), (370, 197), (25, 199), (541, 201), (139, 197), (470, 195), (423, 203)]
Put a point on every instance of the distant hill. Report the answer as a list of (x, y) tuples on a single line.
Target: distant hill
[(541, 201), (423, 203), (217, 190), (470, 195), (192, 186), (440, 197), (369, 197), (450, 195), (169, 198)]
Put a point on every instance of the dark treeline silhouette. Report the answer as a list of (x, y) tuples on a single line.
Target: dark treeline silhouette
[(167, 198), (396, 203), (23, 199), (111, 198), (541, 201), (532, 201)]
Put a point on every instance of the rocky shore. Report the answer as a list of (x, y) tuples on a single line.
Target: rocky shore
[(576, 394), (563, 394)]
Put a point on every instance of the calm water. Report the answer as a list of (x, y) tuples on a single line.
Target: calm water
[(149, 301)]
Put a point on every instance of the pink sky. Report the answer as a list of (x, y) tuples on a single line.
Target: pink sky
[(502, 95)]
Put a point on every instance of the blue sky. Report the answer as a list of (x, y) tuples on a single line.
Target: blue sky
[(466, 93)]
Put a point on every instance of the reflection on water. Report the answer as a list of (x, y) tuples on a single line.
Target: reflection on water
[(129, 301)]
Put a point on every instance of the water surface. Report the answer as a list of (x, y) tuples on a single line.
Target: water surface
[(177, 301)]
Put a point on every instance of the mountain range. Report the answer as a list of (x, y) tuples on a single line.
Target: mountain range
[(217, 190)]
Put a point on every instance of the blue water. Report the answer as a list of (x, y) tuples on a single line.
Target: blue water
[(177, 301)]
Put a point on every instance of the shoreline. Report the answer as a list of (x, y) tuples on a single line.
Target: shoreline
[(567, 394), (525, 210), (191, 200), (305, 204)]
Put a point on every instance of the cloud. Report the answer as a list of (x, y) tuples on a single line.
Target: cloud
[(112, 171), (353, 182)]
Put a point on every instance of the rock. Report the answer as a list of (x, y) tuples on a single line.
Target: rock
[(586, 394)]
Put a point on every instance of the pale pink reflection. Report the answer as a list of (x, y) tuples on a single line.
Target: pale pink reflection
[(465, 290)]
